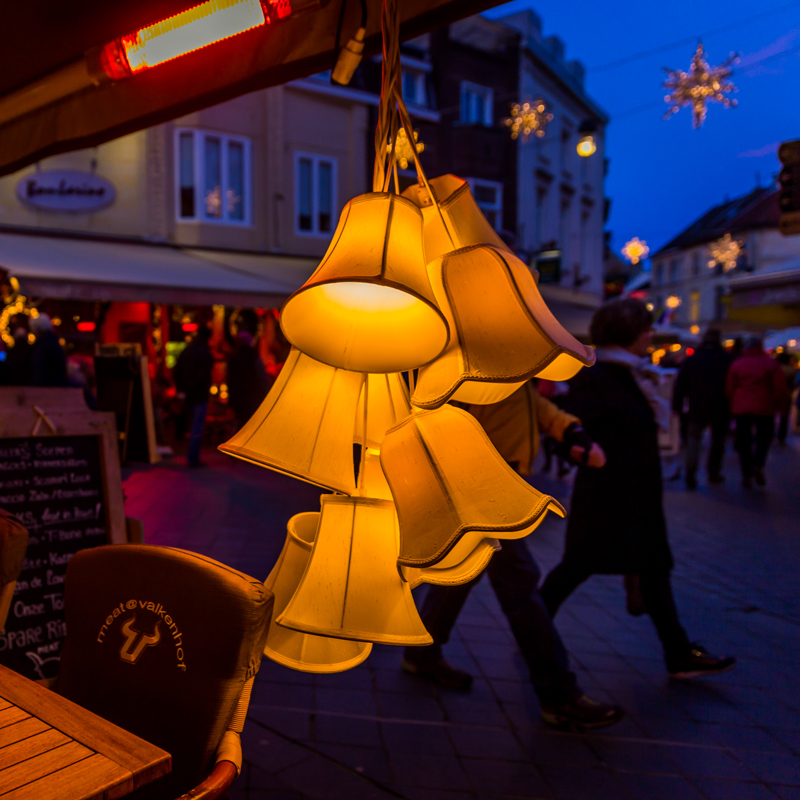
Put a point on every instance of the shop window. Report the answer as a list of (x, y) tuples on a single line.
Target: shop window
[(489, 197), (315, 194), (476, 104), (694, 306), (213, 178)]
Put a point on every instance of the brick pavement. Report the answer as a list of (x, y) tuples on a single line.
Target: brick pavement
[(374, 732)]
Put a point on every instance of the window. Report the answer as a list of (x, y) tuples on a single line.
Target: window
[(212, 177), (476, 104), (414, 87), (674, 270), (658, 270), (489, 197), (696, 263), (694, 306), (315, 194)]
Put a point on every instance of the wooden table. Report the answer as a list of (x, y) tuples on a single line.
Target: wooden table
[(52, 748)]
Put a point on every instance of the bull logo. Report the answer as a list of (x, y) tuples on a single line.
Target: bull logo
[(136, 641)]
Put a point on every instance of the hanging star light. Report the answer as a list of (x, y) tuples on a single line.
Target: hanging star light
[(404, 152), (635, 250), (698, 86), (725, 251), (527, 119)]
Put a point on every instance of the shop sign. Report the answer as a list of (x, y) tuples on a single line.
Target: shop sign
[(66, 191)]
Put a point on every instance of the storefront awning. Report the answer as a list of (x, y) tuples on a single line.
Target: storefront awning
[(766, 300), (74, 268)]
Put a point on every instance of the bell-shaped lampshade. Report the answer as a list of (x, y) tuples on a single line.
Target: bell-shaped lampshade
[(387, 404), (369, 305), (351, 588), (502, 331), (460, 223), (304, 651), (447, 479), (305, 426), (463, 563)]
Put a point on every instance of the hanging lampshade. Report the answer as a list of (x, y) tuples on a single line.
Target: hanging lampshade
[(351, 588), (304, 651), (447, 480), (305, 425), (456, 568), (369, 305), (502, 331), (387, 404), (460, 223)]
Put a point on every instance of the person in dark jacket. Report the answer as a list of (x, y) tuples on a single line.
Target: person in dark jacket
[(700, 385), (192, 375), (19, 358), (616, 524), (756, 387), (248, 382), (48, 359)]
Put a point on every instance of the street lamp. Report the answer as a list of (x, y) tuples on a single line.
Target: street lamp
[(587, 146), (635, 250)]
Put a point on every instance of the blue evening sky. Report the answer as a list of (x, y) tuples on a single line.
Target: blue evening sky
[(664, 173)]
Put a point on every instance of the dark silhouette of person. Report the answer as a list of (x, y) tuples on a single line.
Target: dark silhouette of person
[(48, 359), (192, 375)]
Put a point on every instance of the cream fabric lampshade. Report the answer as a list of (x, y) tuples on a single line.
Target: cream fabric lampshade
[(351, 588), (448, 480), (461, 222), (369, 305), (387, 403), (502, 331), (304, 651), (463, 563), (305, 426)]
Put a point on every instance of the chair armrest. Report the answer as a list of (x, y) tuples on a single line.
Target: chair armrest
[(215, 785)]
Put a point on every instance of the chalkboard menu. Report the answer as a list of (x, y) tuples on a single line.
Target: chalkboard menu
[(55, 486)]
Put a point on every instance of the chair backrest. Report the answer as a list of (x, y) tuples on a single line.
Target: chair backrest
[(160, 642), (13, 543)]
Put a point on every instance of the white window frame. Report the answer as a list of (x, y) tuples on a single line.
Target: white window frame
[(467, 87), (198, 139), (475, 183), (315, 159), (420, 89)]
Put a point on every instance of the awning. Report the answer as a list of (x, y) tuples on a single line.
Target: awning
[(74, 268), (766, 300)]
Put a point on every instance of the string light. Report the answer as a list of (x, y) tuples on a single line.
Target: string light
[(527, 119), (699, 86), (635, 250), (673, 301), (725, 251)]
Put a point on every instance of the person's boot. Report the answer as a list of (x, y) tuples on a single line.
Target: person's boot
[(697, 663), (440, 672), (582, 712), (691, 482), (758, 474)]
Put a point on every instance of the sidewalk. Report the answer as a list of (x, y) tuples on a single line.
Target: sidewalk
[(375, 732)]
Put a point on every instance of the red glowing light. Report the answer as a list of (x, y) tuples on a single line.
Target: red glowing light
[(86, 327), (690, 351), (189, 327)]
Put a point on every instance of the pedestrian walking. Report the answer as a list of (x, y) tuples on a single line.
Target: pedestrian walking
[(19, 358), (756, 388), (616, 524), (192, 375), (788, 364), (48, 359), (247, 379), (700, 394), (513, 426)]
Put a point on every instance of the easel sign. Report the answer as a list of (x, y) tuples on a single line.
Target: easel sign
[(60, 475)]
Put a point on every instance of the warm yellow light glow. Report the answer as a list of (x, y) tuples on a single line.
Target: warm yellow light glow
[(387, 404), (447, 479), (31, 338), (369, 305), (213, 390), (586, 146), (528, 119), (792, 342), (460, 223), (190, 30), (635, 250), (657, 355), (404, 153), (351, 588), (725, 251), (56, 321), (694, 330), (675, 347), (501, 331), (305, 425), (34, 312), (650, 306), (728, 343), (304, 651), (673, 301)]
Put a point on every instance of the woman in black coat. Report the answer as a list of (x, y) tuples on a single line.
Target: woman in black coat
[(616, 523)]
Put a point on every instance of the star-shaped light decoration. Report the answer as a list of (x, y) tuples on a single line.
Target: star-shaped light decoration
[(404, 152), (635, 250), (698, 86), (527, 119), (725, 251)]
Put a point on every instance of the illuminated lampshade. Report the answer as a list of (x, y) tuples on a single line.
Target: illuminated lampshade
[(369, 305), (448, 480), (305, 425), (304, 651), (456, 568), (461, 222), (502, 331), (351, 588), (387, 404), (374, 482)]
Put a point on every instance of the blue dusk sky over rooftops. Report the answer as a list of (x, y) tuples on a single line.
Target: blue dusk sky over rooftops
[(663, 173)]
